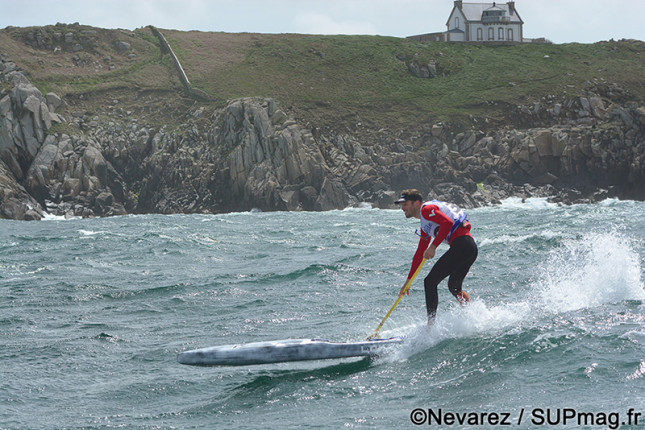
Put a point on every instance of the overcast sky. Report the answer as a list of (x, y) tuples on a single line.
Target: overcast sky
[(560, 21)]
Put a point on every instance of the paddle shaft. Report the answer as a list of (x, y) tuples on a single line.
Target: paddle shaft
[(406, 287)]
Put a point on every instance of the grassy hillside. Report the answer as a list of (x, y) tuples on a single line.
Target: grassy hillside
[(327, 80)]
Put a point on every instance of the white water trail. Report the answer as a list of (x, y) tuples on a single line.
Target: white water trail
[(586, 272)]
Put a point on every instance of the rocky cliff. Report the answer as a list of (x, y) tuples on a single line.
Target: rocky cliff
[(253, 154)]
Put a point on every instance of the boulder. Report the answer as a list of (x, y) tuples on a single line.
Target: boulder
[(23, 129), (543, 143), (421, 71), (15, 201), (103, 201), (308, 197), (332, 196), (53, 101), (122, 47), (598, 108), (545, 178)]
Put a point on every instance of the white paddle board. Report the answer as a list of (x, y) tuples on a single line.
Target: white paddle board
[(284, 350)]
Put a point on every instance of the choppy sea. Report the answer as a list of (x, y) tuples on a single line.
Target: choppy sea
[(93, 313)]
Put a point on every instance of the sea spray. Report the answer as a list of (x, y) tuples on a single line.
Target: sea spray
[(594, 269), (590, 270)]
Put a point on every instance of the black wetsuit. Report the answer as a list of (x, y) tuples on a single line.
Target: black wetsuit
[(454, 263)]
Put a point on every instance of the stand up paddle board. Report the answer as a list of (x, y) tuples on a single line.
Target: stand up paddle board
[(284, 350)]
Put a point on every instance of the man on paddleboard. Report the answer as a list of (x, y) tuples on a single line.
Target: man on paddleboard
[(446, 223)]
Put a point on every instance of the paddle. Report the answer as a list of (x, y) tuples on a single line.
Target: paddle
[(405, 289)]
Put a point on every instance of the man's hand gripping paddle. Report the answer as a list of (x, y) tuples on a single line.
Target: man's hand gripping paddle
[(404, 290)]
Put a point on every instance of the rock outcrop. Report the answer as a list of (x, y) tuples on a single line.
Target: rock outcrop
[(24, 120), (46, 171), (253, 154)]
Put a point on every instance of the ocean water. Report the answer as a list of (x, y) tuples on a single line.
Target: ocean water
[(93, 313)]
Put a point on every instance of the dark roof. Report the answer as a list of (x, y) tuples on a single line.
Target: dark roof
[(474, 11)]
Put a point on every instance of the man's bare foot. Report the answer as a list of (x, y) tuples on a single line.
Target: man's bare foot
[(463, 298)]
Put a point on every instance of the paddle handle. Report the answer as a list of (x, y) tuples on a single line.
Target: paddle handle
[(406, 287)]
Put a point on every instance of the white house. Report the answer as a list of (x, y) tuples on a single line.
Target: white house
[(480, 22), (484, 22)]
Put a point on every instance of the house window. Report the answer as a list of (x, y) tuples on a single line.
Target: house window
[(501, 34), (491, 34), (480, 34), (456, 22), (510, 34)]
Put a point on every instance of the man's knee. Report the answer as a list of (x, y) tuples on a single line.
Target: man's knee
[(454, 286)]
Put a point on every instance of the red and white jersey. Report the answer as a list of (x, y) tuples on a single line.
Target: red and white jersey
[(433, 217), (444, 222)]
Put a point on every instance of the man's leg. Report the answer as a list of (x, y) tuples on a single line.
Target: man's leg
[(441, 270), (466, 248)]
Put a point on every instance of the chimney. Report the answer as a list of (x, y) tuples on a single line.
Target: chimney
[(511, 7), (458, 4)]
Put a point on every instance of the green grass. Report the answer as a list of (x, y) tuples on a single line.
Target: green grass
[(362, 74), (328, 80)]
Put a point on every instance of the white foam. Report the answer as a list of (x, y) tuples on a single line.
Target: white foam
[(475, 319), (361, 207), (634, 336), (586, 272), (51, 217), (530, 203), (639, 373), (90, 232), (609, 202), (591, 271), (505, 238)]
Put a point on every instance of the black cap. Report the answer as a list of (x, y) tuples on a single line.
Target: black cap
[(409, 195)]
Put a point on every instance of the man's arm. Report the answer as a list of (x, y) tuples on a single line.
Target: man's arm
[(424, 241)]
